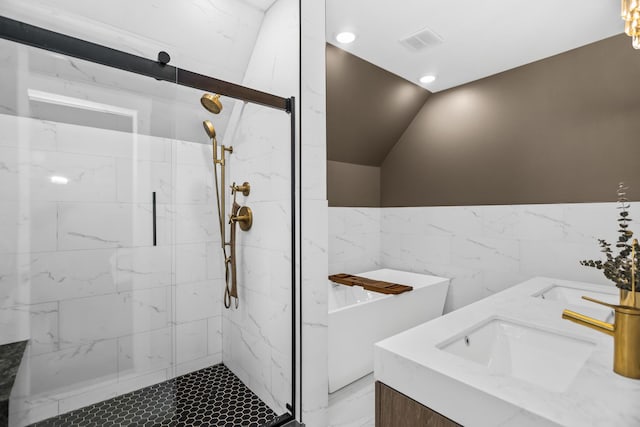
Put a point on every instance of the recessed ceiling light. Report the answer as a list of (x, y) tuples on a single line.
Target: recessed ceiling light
[(428, 78), (345, 37)]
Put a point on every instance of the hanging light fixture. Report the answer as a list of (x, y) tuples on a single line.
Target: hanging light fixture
[(631, 16)]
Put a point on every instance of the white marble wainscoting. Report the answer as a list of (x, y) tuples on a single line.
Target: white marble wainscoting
[(485, 249), (353, 405), (354, 239), (106, 312)]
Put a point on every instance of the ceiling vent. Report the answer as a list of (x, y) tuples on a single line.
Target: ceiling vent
[(421, 40)]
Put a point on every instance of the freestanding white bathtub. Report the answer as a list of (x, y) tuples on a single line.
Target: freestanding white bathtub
[(359, 318)]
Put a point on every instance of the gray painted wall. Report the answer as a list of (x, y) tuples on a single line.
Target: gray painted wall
[(353, 185), (563, 129), (368, 108)]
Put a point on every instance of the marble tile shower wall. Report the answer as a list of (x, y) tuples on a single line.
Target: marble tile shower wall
[(79, 275), (219, 43), (484, 249), (313, 216), (257, 336)]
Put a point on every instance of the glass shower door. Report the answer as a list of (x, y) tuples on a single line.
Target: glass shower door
[(113, 266), (88, 264)]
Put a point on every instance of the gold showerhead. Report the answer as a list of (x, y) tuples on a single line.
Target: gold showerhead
[(211, 103), (208, 127)]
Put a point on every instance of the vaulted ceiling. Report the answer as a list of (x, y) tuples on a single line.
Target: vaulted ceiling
[(372, 84), (477, 38), (368, 108)]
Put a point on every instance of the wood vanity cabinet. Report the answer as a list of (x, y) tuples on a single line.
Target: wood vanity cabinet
[(394, 409)]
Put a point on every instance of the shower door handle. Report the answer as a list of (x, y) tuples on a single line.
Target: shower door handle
[(155, 239)]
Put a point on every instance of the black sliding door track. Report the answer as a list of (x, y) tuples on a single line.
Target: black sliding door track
[(52, 41), (23, 33)]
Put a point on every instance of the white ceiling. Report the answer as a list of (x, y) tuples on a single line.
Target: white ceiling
[(480, 38)]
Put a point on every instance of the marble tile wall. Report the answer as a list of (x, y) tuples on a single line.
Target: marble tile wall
[(354, 240), (106, 312), (219, 43), (257, 336), (485, 249), (224, 25), (314, 216), (256, 348)]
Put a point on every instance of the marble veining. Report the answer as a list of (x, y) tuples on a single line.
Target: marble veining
[(116, 266), (354, 240), (483, 249), (230, 28), (70, 257), (256, 342), (314, 215)]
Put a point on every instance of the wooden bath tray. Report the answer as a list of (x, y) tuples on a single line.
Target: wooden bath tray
[(370, 284)]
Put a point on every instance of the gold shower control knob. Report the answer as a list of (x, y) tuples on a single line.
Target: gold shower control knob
[(244, 218), (245, 188)]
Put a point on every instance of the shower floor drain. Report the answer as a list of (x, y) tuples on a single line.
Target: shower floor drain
[(210, 397)]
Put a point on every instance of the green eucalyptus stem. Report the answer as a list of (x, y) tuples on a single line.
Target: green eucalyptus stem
[(618, 268)]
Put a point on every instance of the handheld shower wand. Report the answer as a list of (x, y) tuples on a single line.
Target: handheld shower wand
[(211, 132)]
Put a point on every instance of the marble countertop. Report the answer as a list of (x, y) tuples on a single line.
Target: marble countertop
[(471, 395)]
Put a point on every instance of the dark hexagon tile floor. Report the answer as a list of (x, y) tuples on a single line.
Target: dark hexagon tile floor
[(210, 397)]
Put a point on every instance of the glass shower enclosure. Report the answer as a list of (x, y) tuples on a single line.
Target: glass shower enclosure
[(111, 258)]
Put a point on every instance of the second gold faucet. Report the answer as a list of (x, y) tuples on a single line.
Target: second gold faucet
[(625, 329)]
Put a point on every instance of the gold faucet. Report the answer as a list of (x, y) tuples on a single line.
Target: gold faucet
[(625, 329), (625, 332)]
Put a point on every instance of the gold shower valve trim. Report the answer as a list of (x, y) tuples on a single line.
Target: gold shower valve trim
[(245, 188), (244, 218)]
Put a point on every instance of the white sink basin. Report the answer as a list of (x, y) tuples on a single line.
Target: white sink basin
[(573, 296), (530, 354)]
